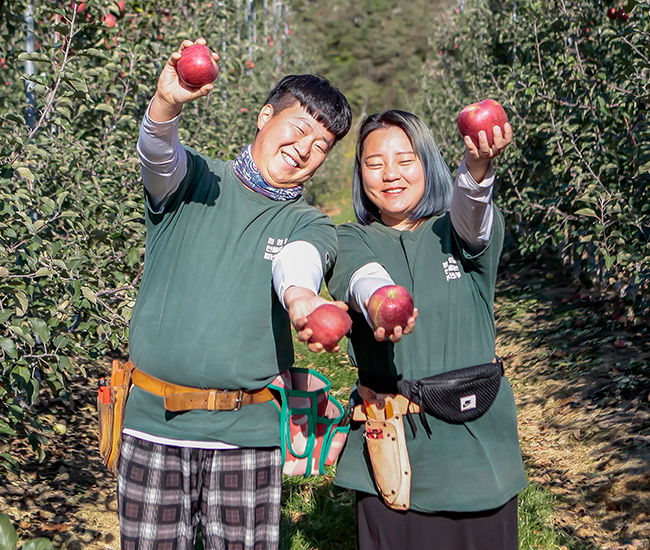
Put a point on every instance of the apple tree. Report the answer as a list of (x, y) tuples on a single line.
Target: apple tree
[(76, 80), (573, 80)]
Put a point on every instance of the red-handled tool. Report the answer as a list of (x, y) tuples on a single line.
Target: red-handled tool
[(104, 392)]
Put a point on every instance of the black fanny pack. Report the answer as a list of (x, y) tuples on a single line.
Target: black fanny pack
[(456, 396)]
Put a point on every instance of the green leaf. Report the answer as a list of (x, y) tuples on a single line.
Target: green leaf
[(586, 212), (64, 363), (9, 346), (93, 52), (25, 173), (40, 543), (644, 169), (104, 107), (6, 429), (60, 342), (14, 118), (88, 293), (61, 197), (18, 331), (23, 303), (22, 373), (5, 314), (43, 272), (8, 535), (36, 56), (40, 327)]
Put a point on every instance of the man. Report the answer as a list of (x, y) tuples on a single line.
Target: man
[(234, 256)]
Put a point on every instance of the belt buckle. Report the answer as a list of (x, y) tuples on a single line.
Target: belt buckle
[(239, 401)]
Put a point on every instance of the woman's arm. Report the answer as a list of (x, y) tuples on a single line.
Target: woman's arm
[(471, 209), (364, 282), (471, 206)]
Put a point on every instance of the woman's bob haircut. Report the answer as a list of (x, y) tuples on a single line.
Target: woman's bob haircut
[(438, 183)]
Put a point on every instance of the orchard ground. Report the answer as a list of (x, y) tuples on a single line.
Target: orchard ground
[(581, 375)]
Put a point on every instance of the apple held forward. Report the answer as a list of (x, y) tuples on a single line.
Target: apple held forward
[(328, 324), (484, 115), (390, 306), (197, 67)]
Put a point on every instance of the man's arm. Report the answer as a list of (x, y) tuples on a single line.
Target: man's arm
[(171, 93), (163, 160), (297, 278)]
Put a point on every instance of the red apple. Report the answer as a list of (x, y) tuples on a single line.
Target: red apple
[(121, 6), (81, 7), (110, 20), (329, 324), (611, 13), (483, 115), (390, 306), (622, 15), (197, 67)]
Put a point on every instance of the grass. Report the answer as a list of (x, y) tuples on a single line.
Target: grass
[(536, 527)]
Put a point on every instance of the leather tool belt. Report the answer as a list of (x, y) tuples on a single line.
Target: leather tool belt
[(383, 417), (112, 396), (179, 398)]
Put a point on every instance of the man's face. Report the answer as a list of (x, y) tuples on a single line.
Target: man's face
[(290, 145)]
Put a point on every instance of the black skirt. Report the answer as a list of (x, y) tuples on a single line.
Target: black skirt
[(380, 528)]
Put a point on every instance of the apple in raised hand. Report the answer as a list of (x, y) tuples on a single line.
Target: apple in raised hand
[(328, 324), (390, 306), (484, 115), (197, 67)]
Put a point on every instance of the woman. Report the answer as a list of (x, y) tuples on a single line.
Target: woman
[(441, 241)]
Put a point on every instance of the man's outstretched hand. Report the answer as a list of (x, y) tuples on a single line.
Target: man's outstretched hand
[(300, 303)]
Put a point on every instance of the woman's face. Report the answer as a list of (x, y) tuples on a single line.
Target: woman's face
[(393, 177)]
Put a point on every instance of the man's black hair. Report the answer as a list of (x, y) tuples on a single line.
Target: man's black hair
[(318, 97)]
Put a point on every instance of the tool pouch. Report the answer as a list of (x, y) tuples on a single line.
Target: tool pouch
[(391, 467), (312, 431), (111, 403)]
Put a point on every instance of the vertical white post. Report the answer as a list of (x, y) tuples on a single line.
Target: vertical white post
[(29, 66)]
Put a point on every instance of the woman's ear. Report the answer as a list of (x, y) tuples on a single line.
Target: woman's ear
[(264, 115)]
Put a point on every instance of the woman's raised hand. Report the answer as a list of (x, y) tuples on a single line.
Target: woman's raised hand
[(478, 158)]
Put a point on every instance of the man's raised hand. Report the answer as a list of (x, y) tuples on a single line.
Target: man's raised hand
[(172, 93)]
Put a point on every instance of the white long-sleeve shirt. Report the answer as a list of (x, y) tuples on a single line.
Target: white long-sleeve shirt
[(163, 165)]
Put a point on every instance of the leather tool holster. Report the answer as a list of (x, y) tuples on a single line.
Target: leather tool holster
[(110, 409), (386, 444)]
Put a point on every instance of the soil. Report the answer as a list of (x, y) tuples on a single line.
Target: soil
[(579, 364)]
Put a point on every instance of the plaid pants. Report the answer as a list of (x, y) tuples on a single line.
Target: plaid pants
[(165, 492)]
